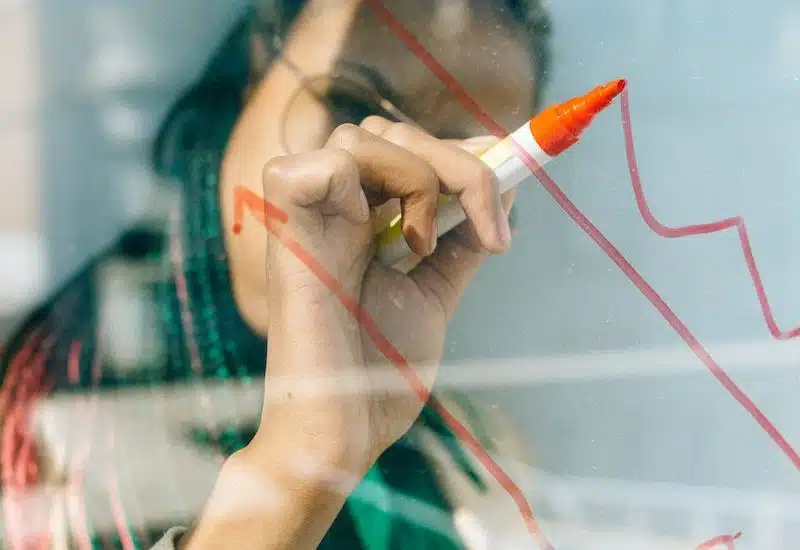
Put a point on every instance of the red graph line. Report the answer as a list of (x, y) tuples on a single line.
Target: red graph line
[(727, 540), (682, 330), (736, 222), (592, 231)]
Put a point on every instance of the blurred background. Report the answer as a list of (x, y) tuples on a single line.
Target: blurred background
[(87, 84), (627, 426)]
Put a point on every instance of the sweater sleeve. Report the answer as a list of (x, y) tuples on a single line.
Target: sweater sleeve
[(170, 539)]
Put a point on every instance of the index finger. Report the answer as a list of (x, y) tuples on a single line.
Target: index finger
[(390, 171), (461, 173)]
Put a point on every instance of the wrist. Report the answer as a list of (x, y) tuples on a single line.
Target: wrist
[(314, 414), (265, 503), (314, 462)]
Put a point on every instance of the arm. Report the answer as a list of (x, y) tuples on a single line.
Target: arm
[(266, 503), (286, 487)]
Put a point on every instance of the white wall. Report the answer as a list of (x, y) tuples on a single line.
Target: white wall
[(87, 84), (22, 274)]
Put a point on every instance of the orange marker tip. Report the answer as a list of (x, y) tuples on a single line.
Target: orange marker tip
[(237, 228), (612, 89), (602, 96)]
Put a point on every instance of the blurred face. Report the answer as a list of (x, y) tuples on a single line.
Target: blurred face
[(474, 40), (477, 42), (480, 46)]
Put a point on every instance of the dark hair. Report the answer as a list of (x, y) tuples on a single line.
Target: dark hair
[(536, 19)]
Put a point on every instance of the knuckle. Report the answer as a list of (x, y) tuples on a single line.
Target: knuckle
[(401, 133), (431, 179), (341, 165), (375, 123), (273, 173), (346, 136), (484, 179), (425, 181)]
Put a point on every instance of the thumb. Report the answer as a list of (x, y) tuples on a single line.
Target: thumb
[(447, 272)]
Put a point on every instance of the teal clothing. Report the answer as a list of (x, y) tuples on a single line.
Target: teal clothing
[(197, 321)]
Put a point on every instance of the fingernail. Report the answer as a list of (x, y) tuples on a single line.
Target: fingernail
[(504, 228), (364, 205), (434, 235)]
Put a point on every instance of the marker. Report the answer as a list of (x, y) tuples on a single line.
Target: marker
[(544, 137)]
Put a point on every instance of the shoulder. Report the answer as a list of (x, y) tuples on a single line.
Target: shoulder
[(171, 539), (62, 332), (54, 319)]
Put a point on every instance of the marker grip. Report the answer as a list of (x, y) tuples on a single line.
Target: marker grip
[(509, 171)]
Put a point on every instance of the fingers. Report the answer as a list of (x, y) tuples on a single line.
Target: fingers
[(327, 180), (332, 180), (476, 145), (446, 273), (460, 173), (390, 171), (358, 167)]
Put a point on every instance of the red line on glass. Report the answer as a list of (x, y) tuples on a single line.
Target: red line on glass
[(595, 234), (735, 222), (716, 542)]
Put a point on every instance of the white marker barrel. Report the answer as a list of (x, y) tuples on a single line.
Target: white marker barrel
[(509, 167)]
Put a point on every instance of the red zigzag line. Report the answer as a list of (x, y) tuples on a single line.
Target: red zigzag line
[(736, 222)]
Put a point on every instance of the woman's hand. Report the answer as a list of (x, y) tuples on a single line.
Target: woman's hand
[(333, 398)]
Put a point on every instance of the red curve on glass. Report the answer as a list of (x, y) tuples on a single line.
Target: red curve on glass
[(273, 218), (735, 222), (682, 330), (727, 540), (589, 228)]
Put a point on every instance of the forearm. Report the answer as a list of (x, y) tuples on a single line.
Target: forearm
[(266, 504)]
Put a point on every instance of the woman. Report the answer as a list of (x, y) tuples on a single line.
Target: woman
[(271, 115)]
